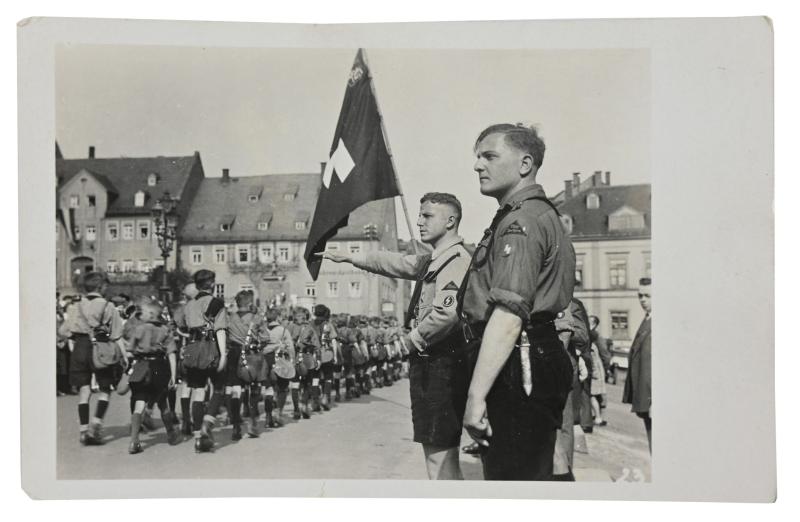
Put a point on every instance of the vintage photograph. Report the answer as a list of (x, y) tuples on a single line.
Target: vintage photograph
[(353, 263)]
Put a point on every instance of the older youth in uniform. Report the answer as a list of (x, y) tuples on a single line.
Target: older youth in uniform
[(438, 371), (521, 276)]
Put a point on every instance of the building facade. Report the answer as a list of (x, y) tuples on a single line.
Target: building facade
[(610, 228), (104, 217), (252, 231)]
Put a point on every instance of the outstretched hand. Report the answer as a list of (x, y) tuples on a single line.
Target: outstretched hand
[(334, 256)]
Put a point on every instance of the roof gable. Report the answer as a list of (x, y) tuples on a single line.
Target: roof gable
[(615, 201)]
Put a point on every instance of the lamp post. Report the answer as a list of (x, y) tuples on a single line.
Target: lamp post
[(165, 224)]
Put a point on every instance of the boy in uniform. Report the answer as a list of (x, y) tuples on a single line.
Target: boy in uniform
[(280, 345), (152, 372), (295, 328), (309, 345), (244, 331), (92, 318), (205, 319)]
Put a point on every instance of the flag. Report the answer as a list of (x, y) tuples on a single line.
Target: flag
[(67, 218), (359, 168)]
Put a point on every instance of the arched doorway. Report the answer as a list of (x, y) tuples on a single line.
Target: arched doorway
[(79, 267)]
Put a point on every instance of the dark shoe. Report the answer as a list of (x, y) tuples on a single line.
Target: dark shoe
[(589, 429), (305, 414), (186, 429), (173, 437), (337, 397), (135, 447), (316, 408), (94, 435), (296, 415), (206, 431), (603, 423), (325, 407), (252, 431), (203, 445), (237, 433)]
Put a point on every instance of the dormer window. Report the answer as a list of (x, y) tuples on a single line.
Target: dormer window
[(264, 220), (152, 179), (138, 199), (626, 218), (252, 198), (291, 192), (263, 226), (592, 201), (288, 196), (299, 225), (226, 222), (300, 220), (254, 194)]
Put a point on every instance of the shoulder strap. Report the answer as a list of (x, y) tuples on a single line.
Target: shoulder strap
[(432, 275)]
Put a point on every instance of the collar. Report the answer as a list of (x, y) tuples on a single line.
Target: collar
[(516, 197), (439, 250)]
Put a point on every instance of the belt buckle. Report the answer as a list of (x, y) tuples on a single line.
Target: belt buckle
[(467, 331)]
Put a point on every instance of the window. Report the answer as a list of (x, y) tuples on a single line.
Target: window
[(143, 229), (112, 231), (112, 266), (91, 232), (219, 290), (74, 201), (355, 289), (288, 197), (224, 227), (311, 290), (92, 201), (592, 201), (332, 247), (354, 248), (333, 289), (299, 225), (618, 273), (138, 199), (579, 275), (220, 254), (152, 180), (265, 253), (127, 230), (76, 232), (283, 254), (144, 265), (197, 255), (127, 265), (619, 325), (243, 254), (252, 198), (626, 222), (263, 226)]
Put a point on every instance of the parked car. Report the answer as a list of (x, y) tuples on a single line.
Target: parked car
[(619, 363)]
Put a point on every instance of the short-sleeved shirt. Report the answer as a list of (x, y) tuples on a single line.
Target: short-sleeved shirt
[(93, 311), (149, 338), (279, 337), (294, 330), (525, 264), (194, 313), (239, 324)]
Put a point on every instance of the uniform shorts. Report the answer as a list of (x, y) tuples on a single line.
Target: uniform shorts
[(524, 427), (439, 386), (81, 367), (154, 388), (199, 378), (326, 371)]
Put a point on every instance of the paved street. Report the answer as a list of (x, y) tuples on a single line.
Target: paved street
[(367, 438)]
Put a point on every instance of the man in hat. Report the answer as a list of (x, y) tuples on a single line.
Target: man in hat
[(438, 371)]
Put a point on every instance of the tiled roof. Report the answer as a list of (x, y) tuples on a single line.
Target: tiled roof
[(126, 176), (218, 197), (593, 223)]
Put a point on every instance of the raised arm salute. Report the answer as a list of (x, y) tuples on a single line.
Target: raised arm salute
[(437, 401)]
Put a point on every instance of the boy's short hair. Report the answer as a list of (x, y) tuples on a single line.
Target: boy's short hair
[(443, 198), (204, 279), (94, 281), (244, 299), (524, 138)]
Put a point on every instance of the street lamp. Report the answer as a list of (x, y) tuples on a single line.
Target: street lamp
[(165, 224)]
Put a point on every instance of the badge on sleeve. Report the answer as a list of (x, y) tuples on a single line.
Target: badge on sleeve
[(451, 286), (515, 228), (507, 250), (449, 300)]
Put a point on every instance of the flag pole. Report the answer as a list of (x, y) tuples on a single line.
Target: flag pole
[(389, 150)]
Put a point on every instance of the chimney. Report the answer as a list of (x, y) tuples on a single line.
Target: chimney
[(91, 152), (607, 181), (322, 165), (567, 189), (226, 174), (576, 181)]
